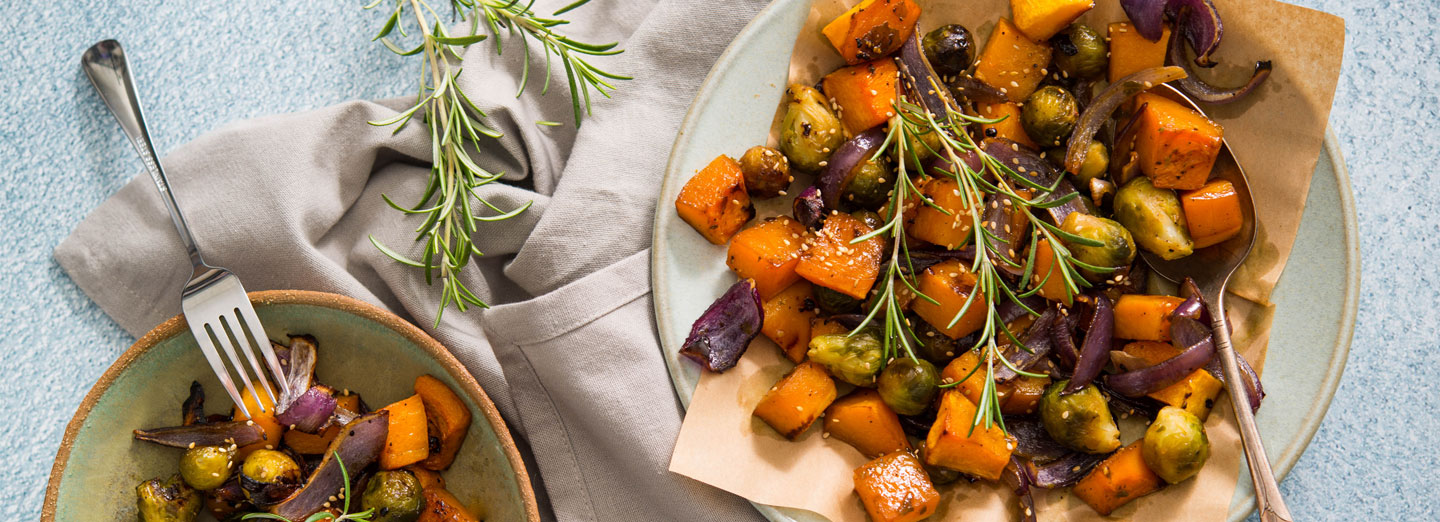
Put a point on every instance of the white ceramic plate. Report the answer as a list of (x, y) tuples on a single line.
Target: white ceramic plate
[(1315, 300)]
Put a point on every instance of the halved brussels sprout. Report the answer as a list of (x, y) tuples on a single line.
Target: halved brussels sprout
[(1118, 249), (810, 132), (1081, 421), (206, 467), (766, 171), (168, 501), (870, 186), (396, 496), (1154, 218), (1096, 164), (1080, 52), (908, 386), (1175, 445), (855, 359), (833, 302), (950, 49), (269, 476), (1049, 115)]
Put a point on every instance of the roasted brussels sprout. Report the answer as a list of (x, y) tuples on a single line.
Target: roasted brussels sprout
[(1049, 115), (833, 302), (1154, 217), (1081, 421), (269, 476), (206, 467), (923, 145), (766, 171), (869, 187), (1117, 250), (855, 359), (950, 49), (395, 496), (1080, 52), (1096, 165), (168, 501), (1175, 445), (908, 386), (810, 132)]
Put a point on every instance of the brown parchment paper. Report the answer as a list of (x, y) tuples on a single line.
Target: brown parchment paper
[(1276, 133)]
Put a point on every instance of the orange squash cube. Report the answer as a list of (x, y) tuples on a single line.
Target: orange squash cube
[(1144, 317), (715, 202), (442, 506), (794, 403), (1195, 393), (896, 488), (821, 326), (983, 452), (768, 253), (265, 419), (950, 283), (1021, 395), (1050, 275), (1175, 145), (864, 93), (787, 320), (1012, 62), (1131, 53), (408, 439), (963, 369), (1010, 128), (871, 29), (861, 419), (829, 260), (1122, 477), (1041, 19), (1212, 213), (930, 224)]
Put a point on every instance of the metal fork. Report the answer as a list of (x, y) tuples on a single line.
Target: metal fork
[(214, 302)]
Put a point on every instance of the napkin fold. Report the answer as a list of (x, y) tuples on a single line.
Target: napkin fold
[(569, 351)]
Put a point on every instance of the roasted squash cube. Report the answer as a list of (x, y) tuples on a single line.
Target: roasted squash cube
[(1131, 53), (861, 419), (1122, 477), (822, 326), (1144, 317), (829, 260), (794, 403), (1195, 393), (787, 320), (896, 488), (768, 253), (1175, 145), (715, 202), (983, 452), (1012, 62), (963, 369), (1021, 395), (871, 29), (950, 284), (932, 225), (1009, 128), (1041, 19), (1050, 275), (1212, 212), (864, 94)]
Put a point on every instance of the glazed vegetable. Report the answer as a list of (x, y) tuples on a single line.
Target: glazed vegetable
[(1041, 19), (395, 496), (787, 320), (1144, 317), (955, 442), (1154, 218), (1098, 337), (271, 429), (1049, 275), (843, 165), (855, 359), (442, 506), (721, 334), (1080, 420), (1080, 52), (1049, 115), (1117, 249), (895, 488), (1028, 164), (269, 476), (1175, 446), (871, 29), (1119, 479), (963, 370), (933, 224), (1195, 392), (1010, 127), (832, 302), (1033, 443), (768, 253), (1105, 103), (864, 93), (715, 201), (867, 188), (795, 402), (1022, 396), (809, 131), (1175, 145), (1017, 477), (1198, 22), (1095, 165), (809, 207), (950, 49), (1212, 213), (192, 411), (407, 439), (950, 284), (212, 434), (358, 445), (227, 499), (1130, 52), (311, 411), (167, 501), (1168, 372), (1035, 343), (833, 262), (1012, 62), (447, 419), (1067, 470), (316, 443), (933, 345), (206, 467), (766, 171), (861, 419), (909, 386), (1203, 91)]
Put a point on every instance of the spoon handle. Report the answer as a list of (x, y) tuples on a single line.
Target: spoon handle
[(1269, 505)]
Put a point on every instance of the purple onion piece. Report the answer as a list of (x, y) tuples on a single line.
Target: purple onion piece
[(1036, 346), (240, 433), (926, 258), (1147, 16), (1017, 476), (1063, 340), (1105, 104), (192, 411), (1254, 391), (358, 445), (1028, 164), (843, 162), (723, 333), (1203, 91), (967, 87), (1066, 471), (1199, 23), (1134, 406), (1192, 308), (344, 416), (939, 165), (809, 207), (1001, 221), (1139, 382), (1032, 441), (1094, 352), (921, 79), (311, 411), (918, 426), (282, 356), (301, 371)]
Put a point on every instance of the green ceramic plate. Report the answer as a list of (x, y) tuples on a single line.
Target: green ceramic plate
[(363, 348), (1315, 300)]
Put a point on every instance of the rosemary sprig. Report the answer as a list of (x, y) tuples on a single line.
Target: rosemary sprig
[(452, 204), (346, 515)]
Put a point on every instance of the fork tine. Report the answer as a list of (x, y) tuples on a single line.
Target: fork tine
[(225, 337), (257, 329), (247, 341), (212, 355)]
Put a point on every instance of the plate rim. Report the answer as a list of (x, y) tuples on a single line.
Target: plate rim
[(178, 326), (1288, 456)]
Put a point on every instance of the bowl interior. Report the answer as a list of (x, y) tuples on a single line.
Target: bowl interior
[(359, 353)]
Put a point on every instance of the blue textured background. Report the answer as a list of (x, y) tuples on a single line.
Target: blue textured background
[(200, 66)]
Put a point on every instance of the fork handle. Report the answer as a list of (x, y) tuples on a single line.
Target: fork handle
[(1268, 503), (105, 64)]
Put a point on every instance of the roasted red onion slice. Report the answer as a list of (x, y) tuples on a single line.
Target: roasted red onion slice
[(193, 409), (1198, 22), (1147, 16), (1202, 91), (1036, 344), (1063, 339), (1105, 104), (1017, 476), (809, 207), (240, 433), (311, 411), (358, 444), (301, 371), (723, 333), (1096, 348), (1039, 171), (922, 80), (1066, 471), (844, 161), (1032, 441), (1139, 382)]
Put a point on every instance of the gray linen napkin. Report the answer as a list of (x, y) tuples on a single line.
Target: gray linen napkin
[(569, 353)]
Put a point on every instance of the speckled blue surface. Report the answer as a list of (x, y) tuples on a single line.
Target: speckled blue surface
[(201, 65)]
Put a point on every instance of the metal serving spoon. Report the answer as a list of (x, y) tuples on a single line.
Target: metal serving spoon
[(1211, 268)]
